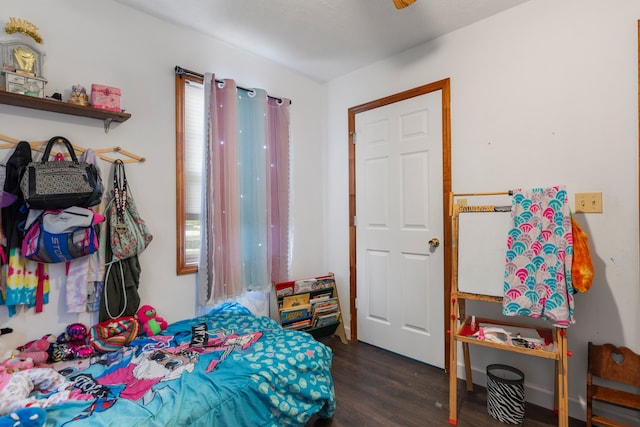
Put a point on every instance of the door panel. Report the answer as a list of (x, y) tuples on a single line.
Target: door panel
[(399, 209)]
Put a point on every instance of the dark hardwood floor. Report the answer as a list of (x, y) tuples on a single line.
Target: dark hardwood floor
[(376, 388)]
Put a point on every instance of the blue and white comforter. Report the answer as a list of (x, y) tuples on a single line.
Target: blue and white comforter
[(227, 368)]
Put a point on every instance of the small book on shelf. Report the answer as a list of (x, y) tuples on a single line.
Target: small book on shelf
[(324, 309), (324, 302), (295, 314), (284, 288), (322, 295), (326, 319), (301, 324), (309, 285), (295, 300)]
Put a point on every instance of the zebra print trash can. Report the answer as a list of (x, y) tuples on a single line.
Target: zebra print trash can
[(505, 393)]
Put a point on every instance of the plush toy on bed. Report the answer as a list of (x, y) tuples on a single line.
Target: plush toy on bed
[(14, 360), (25, 417), (151, 323), (37, 350), (71, 344)]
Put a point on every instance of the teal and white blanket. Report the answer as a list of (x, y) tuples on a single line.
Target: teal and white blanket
[(226, 368)]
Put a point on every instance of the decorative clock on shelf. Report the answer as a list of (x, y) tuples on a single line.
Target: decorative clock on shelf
[(22, 59)]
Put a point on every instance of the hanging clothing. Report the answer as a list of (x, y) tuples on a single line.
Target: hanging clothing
[(120, 294), (85, 275), (94, 295), (582, 267), (539, 257), (76, 285), (27, 281)]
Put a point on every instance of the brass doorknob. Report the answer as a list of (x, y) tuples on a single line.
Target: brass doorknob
[(434, 243)]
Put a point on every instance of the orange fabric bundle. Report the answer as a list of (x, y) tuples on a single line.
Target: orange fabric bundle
[(582, 266)]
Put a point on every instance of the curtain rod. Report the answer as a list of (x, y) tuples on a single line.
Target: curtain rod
[(181, 71)]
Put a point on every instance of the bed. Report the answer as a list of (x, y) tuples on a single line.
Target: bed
[(226, 368)]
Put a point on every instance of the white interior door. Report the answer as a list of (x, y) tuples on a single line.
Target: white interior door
[(400, 276)]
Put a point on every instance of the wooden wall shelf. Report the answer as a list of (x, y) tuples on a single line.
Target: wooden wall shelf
[(46, 104)]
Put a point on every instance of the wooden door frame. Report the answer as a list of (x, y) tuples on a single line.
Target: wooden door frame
[(444, 86)]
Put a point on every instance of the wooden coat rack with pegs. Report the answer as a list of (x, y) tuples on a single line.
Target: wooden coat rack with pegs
[(124, 155)]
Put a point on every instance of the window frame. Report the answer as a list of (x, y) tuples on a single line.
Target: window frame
[(181, 80)]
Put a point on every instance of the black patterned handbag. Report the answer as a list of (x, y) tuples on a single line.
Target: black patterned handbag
[(60, 184)]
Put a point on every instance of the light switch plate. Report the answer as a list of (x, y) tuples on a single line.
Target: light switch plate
[(588, 202)]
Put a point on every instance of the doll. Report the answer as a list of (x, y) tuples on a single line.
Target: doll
[(79, 95), (150, 321)]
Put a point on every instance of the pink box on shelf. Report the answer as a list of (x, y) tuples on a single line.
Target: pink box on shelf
[(105, 97)]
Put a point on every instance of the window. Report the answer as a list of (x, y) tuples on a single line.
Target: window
[(189, 139)]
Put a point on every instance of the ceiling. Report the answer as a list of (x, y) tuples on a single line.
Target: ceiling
[(322, 39)]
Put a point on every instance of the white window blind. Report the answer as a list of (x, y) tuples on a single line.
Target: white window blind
[(194, 128)]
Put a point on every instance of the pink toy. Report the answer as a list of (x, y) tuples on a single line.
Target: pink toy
[(15, 364), (150, 321), (71, 344), (36, 350)]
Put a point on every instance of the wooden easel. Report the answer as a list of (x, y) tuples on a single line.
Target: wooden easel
[(129, 157), (460, 321)]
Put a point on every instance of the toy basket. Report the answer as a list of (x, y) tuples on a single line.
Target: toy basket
[(505, 393)]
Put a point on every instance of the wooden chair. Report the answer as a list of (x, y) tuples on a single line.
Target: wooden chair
[(613, 365)]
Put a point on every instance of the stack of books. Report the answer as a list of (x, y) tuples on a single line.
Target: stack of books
[(310, 285), (295, 312), (324, 311), (306, 310), (306, 285)]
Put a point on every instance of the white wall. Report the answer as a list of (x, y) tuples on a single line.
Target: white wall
[(553, 82), (104, 42), (545, 93)]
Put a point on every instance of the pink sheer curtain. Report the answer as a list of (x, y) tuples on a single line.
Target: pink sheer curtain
[(221, 267), (278, 183)]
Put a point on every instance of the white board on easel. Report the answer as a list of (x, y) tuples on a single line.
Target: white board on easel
[(482, 245)]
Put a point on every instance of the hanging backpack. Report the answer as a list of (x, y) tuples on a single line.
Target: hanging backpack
[(62, 235), (128, 233)]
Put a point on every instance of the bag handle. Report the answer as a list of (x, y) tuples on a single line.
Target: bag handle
[(119, 176), (120, 188), (106, 295), (52, 142)]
